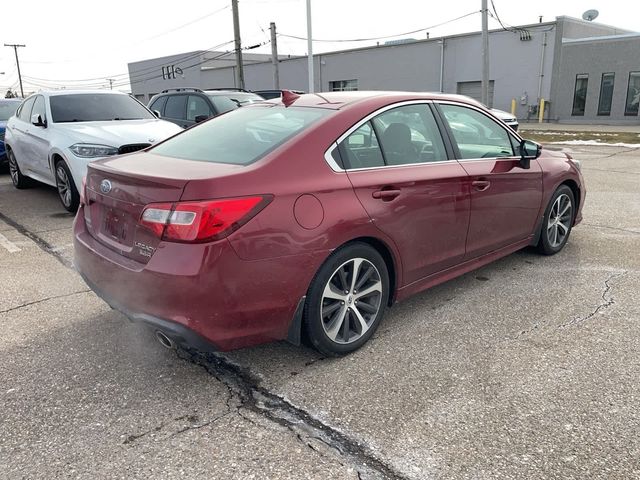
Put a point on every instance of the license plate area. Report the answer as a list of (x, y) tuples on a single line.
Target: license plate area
[(114, 225)]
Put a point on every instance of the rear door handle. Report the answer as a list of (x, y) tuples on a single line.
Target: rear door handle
[(386, 195), (481, 185)]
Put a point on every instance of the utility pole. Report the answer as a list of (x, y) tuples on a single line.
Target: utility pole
[(236, 37), (274, 56), (110, 80), (485, 53), (310, 47), (15, 50)]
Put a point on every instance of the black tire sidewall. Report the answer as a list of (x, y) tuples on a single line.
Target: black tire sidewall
[(311, 318), (543, 245), (75, 196)]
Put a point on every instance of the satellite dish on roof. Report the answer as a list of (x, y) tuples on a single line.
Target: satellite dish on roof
[(590, 15)]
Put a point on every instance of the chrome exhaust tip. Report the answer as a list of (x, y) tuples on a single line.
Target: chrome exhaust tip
[(165, 341)]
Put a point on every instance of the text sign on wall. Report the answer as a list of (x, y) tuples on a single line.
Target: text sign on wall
[(170, 71)]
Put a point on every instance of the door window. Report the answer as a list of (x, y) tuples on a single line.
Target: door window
[(158, 105), (400, 136), (477, 135), (176, 107), (38, 108), (633, 94), (409, 134), (361, 148), (197, 106), (25, 110), (580, 94)]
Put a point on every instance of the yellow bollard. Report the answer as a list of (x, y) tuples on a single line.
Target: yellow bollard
[(513, 107), (541, 111)]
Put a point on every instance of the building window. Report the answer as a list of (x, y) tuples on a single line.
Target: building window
[(606, 93), (343, 85), (580, 94), (633, 94)]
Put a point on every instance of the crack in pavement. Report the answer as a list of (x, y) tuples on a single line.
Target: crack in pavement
[(38, 240), (606, 302), (27, 304), (270, 406), (610, 228)]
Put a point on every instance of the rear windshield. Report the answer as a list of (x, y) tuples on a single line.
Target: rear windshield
[(7, 109), (240, 137), (96, 107), (230, 101)]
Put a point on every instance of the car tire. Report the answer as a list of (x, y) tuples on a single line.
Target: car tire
[(67, 191), (17, 178), (557, 221), (338, 319)]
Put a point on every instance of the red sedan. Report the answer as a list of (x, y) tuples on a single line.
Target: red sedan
[(314, 213)]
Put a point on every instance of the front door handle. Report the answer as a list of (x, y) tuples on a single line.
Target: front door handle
[(385, 195), (481, 185)]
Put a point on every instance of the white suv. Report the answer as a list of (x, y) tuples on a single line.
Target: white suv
[(54, 135)]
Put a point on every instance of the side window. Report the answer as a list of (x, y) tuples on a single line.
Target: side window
[(176, 107), (158, 105), (197, 106), (361, 149), (25, 109), (477, 135), (39, 108), (409, 134)]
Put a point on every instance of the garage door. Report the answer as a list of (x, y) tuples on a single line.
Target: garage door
[(474, 90)]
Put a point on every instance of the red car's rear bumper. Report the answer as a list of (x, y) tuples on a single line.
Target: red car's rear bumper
[(199, 294)]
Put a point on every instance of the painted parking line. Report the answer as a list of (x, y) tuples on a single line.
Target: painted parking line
[(8, 244)]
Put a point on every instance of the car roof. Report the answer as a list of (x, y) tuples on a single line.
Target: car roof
[(55, 93), (341, 100)]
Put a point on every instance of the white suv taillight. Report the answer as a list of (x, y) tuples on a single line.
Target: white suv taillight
[(196, 222)]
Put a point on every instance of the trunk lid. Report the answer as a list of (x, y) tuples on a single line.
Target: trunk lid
[(118, 189)]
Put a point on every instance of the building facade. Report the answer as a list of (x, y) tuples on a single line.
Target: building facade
[(586, 72)]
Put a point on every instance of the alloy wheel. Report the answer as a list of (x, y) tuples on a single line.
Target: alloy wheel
[(13, 168), (64, 187), (560, 218), (351, 300)]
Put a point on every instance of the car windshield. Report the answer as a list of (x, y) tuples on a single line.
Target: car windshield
[(240, 137), (7, 109), (96, 107)]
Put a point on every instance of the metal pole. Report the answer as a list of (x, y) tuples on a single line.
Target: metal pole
[(310, 48), (485, 54), (236, 37), (110, 80), (15, 50), (441, 65), (274, 56), (544, 45)]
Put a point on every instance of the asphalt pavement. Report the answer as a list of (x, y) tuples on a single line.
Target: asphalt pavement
[(526, 368)]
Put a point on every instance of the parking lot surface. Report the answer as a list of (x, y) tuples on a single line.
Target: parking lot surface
[(526, 368)]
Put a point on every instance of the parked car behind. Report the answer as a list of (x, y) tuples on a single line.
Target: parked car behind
[(8, 107), (187, 106), (507, 118), (315, 213), (55, 134)]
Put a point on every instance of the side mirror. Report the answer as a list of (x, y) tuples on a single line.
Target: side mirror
[(529, 150), (38, 122), (201, 118), (156, 113)]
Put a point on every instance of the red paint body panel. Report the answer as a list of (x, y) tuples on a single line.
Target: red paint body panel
[(245, 289)]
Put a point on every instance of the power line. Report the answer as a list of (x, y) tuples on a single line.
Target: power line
[(475, 12)]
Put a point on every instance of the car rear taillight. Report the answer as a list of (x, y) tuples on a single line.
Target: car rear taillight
[(201, 221)]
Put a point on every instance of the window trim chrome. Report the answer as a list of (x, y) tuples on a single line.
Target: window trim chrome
[(362, 121)]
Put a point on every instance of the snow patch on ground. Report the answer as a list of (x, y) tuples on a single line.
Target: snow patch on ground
[(596, 143)]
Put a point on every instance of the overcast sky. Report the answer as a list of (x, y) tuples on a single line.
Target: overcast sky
[(80, 42)]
